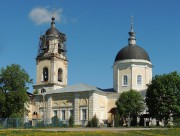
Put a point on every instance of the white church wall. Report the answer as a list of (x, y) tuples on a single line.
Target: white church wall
[(131, 69)]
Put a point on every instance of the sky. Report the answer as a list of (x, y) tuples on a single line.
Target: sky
[(95, 29)]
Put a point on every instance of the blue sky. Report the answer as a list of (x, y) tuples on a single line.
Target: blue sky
[(96, 30)]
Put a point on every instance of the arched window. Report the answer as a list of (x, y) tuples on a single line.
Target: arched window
[(60, 75), (139, 80), (45, 74), (125, 80)]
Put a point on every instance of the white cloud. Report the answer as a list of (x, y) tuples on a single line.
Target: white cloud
[(43, 15)]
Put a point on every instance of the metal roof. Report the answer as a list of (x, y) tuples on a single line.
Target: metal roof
[(132, 52), (76, 88)]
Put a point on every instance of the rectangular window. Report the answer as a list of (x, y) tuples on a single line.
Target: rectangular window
[(63, 115), (55, 113), (84, 114), (42, 114), (125, 80), (71, 113), (139, 80)]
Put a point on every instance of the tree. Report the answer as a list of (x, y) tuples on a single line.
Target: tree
[(13, 87), (163, 96), (130, 104)]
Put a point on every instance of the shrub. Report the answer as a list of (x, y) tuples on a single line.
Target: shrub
[(176, 122), (55, 121), (94, 122), (71, 121), (35, 91), (40, 124), (15, 115), (134, 120), (141, 121), (117, 120)]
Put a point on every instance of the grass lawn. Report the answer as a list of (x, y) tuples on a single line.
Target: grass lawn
[(166, 132)]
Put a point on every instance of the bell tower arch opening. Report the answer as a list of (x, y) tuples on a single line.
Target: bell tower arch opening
[(45, 74)]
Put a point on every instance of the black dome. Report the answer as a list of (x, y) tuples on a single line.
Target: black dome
[(52, 31), (132, 52)]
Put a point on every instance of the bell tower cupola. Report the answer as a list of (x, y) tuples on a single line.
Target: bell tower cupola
[(51, 60)]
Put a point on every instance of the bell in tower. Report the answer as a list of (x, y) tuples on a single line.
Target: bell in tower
[(51, 61)]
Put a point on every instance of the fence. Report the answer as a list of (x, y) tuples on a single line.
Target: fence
[(34, 123)]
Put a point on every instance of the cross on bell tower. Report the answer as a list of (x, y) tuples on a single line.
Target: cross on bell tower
[(51, 61)]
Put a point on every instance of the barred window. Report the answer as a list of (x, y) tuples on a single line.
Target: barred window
[(139, 80), (45, 74), (60, 74)]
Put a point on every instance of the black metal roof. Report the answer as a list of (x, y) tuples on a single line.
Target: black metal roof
[(132, 52), (52, 31)]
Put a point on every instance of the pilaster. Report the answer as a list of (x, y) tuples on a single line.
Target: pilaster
[(49, 109), (91, 106), (76, 109)]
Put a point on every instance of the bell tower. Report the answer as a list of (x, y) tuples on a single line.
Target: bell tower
[(51, 61)]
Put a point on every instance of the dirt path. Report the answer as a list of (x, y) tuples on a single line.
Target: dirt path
[(98, 129)]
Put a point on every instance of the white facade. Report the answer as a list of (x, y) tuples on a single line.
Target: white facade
[(131, 74), (81, 101)]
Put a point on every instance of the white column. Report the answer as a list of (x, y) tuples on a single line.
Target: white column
[(90, 108), (49, 109), (76, 109), (52, 72)]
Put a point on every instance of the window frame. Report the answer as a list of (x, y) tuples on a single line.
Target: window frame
[(63, 117), (71, 113), (139, 80), (84, 114), (55, 111), (60, 75), (45, 73), (125, 83), (81, 113)]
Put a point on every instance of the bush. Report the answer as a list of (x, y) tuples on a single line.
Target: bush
[(15, 115), (71, 121), (55, 121), (141, 121), (40, 124), (176, 122), (134, 120), (94, 122), (117, 120), (35, 91)]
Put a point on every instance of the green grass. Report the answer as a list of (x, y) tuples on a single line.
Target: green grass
[(162, 132)]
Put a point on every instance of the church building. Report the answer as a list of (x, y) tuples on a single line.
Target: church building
[(132, 69)]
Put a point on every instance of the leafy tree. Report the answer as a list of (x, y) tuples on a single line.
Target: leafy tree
[(130, 104), (13, 87), (163, 96)]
